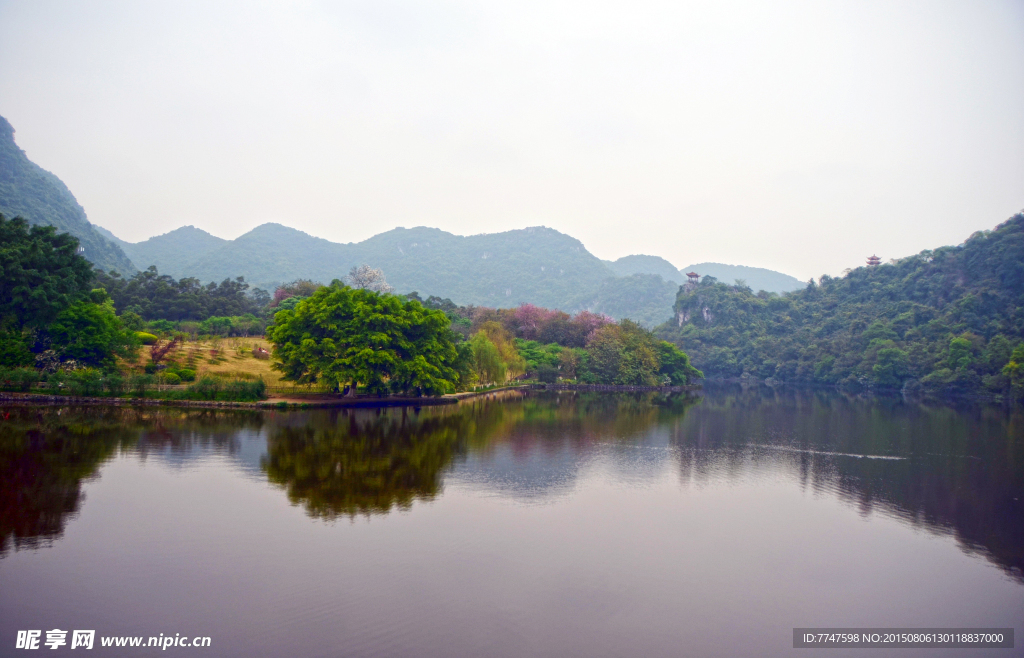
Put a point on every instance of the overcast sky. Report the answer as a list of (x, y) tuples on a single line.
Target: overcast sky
[(799, 136)]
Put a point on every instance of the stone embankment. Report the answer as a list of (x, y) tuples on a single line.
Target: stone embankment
[(329, 400)]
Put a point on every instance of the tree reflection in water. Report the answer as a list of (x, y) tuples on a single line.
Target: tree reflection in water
[(959, 471), (46, 453), (355, 462), (44, 456)]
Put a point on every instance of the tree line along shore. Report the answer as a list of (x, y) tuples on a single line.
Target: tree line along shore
[(943, 322), (71, 330)]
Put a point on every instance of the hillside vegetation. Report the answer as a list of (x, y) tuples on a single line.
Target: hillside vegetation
[(167, 252), (945, 320), (534, 265), (29, 191)]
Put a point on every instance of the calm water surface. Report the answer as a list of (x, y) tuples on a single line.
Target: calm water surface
[(546, 525)]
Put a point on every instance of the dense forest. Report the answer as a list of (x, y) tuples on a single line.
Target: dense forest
[(155, 296), (50, 315), (949, 320)]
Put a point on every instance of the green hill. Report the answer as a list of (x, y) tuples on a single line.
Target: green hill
[(643, 298), (29, 191), (945, 320), (757, 278), (170, 250), (642, 264), (534, 265)]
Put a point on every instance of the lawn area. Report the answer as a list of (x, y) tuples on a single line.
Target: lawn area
[(228, 358)]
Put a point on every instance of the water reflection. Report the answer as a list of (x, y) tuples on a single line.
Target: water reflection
[(44, 456), (948, 470), (354, 462), (47, 453), (944, 469)]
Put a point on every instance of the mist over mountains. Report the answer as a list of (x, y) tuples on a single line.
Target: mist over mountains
[(538, 265), (535, 265)]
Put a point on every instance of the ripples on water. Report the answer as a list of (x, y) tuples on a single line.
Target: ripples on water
[(546, 524)]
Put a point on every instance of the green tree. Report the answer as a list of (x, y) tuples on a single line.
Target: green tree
[(605, 350), (90, 333), (16, 348), (891, 366), (499, 336), (1014, 371), (959, 353), (41, 274), (379, 342), (947, 318), (639, 365), (487, 362), (675, 364)]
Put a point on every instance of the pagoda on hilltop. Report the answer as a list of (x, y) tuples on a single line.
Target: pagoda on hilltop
[(692, 277), (873, 261)]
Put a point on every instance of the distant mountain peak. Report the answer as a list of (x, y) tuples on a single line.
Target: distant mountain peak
[(758, 278), (29, 191), (6, 130), (644, 264)]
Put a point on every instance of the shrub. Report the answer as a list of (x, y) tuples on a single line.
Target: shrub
[(211, 388), (547, 373), (87, 381), (171, 379), (187, 375), (57, 383), (149, 368), (19, 379), (246, 391), (14, 349), (114, 383), (146, 338), (161, 326), (206, 388), (139, 384)]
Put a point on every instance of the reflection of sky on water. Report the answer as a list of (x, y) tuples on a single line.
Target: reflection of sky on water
[(243, 448), (535, 471), (583, 525)]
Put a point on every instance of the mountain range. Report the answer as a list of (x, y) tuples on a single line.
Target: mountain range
[(536, 265)]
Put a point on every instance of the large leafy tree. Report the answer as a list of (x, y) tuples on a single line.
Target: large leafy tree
[(41, 274), (487, 363), (675, 364), (379, 342), (90, 333)]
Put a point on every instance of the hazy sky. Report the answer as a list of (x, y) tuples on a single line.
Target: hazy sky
[(800, 136)]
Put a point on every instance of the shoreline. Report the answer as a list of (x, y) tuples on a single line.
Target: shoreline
[(324, 400)]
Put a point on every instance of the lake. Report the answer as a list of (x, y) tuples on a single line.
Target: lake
[(541, 524)]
